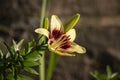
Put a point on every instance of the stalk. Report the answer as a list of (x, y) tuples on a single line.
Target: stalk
[(42, 58)]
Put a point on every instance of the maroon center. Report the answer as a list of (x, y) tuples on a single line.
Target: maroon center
[(56, 33)]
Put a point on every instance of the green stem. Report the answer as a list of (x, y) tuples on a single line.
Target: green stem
[(51, 65), (4, 75), (42, 67), (43, 12), (4, 72), (15, 74), (42, 58)]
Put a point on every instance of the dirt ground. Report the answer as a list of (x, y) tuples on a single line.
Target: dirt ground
[(98, 30)]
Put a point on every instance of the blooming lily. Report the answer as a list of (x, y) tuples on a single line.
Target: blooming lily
[(59, 41)]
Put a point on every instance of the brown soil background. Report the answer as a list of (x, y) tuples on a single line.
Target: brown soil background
[(98, 30)]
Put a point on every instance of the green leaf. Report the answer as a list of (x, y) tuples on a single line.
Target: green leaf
[(10, 77), (23, 77), (32, 56), (30, 63), (28, 47), (9, 50), (114, 75), (103, 77), (108, 76), (46, 23), (20, 43), (1, 54), (30, 70), (72, 22), (109, 73), (95, 74), (41, 47), (17, 46)]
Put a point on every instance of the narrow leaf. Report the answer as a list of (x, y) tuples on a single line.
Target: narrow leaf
[(72, 22), (46, 23), (32, 56), (9, 50), (109, 73), (20, 43), (23, 77), (10, 77), (114, 75), (28, 47), (30, 63), (30, 70), (1, 54)]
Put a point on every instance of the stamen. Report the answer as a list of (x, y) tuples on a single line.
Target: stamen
[(64, 42)]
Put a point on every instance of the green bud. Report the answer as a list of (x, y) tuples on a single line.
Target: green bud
[(72, 22), (46, 23)]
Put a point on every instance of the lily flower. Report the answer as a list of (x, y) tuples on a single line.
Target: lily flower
[(59, 41)]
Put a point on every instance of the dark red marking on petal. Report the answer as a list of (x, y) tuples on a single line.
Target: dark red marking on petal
[(50, 36), (56, 33), (65, 45), (66, 39), (63, 37), (51, 42)]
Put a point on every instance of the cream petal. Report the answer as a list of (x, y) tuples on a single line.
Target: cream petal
[(72, 34), (42, 31), (60, 53), (56, 23), (76, 48)]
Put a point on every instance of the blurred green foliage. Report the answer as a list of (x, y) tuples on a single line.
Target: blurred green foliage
[(108, 76), (19, 59)]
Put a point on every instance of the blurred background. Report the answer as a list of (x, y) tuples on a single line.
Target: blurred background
[(98, 30)]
